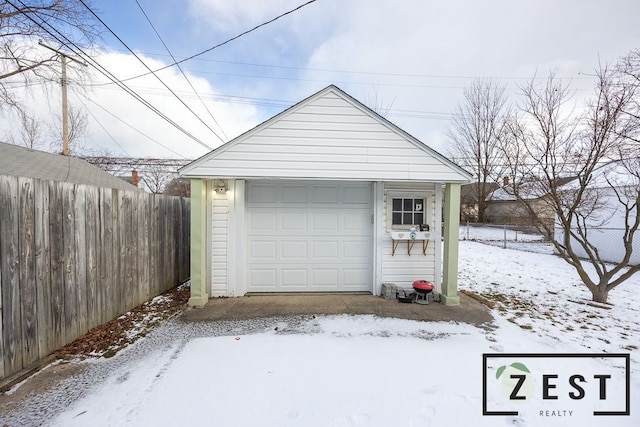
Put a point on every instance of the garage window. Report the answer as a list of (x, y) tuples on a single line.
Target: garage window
[(407, 211)]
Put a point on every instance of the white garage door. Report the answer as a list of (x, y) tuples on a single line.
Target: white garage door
[(309, 237)]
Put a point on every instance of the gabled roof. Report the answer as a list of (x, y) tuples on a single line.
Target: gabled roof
[(329, 135), (617, 173), (533, 190), (20, 161)]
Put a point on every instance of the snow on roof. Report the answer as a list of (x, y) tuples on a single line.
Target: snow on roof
[(526, 191), (620, 173)]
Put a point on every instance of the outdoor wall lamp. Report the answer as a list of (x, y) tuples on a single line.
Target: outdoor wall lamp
[(221, 187)]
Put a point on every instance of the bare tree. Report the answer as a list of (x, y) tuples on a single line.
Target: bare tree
[(77, 120), (25, 23), (156, 177), (549, 145), (376, 103), (29, 131), (178, 187), (475, 138)]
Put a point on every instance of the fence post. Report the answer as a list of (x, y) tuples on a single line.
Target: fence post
[(504, 244)]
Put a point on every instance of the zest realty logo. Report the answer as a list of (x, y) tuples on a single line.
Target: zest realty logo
[(556, 385)]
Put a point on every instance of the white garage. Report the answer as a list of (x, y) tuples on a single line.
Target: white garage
[(309, 236), (312, 199)]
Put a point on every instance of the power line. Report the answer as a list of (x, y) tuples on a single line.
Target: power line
[(104, 129), (102, 70), (154, 74), (134, 128), (374, 73), (281, 103), (224, 42), (181, 70), (333, 81)]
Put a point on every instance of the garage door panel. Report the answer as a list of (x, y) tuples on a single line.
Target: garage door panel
[(356, 223), (325, 250), (296, 222), (294, 249), (325, 222), (325, 194), (357, 251), (264, 221), (294, 278), (355, 277), (263, 250), (263, 279), (264, 194), (356, 195), (326, 278), (309, 236), (297, 194)]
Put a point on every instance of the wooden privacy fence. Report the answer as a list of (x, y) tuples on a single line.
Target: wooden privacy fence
[(73, 257)]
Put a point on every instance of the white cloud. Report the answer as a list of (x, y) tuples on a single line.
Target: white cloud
[(413, 54), (454, 41), (100, 95), (239, 15)]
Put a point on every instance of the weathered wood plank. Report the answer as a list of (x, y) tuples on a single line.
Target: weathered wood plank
[(26, 238), (109, 258), (142, 255), (126, 228), (10, 266), (120, 250), (93, 245), (56, 245), (80, 240), (43, 269), (154, 261), (166, 244), (69, 261), (135, 274), (175, 241), (2, 373)]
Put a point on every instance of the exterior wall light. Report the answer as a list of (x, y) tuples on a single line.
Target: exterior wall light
[(221, 187)]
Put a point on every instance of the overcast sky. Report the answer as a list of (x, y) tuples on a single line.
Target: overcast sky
[(410, 57)]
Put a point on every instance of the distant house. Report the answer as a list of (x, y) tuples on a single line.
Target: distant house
[(469, 200), (503, 207), (610, 185), (20, 161)]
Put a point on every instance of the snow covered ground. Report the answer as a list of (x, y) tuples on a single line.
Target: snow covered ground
[(363, 370)]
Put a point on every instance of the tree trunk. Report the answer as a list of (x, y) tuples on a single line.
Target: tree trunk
[(600, 294)]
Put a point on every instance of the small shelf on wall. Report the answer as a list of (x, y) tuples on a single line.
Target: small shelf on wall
[(410, 237)]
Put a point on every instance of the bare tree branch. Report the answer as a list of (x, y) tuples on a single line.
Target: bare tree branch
[(23, 23), (597, 152), (478, 125)]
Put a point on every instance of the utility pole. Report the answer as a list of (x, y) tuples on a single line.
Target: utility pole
[(65, 114), (65, 107)]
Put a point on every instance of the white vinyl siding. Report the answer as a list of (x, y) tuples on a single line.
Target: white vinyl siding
[(401, 268), (219, 243), (327, 137)]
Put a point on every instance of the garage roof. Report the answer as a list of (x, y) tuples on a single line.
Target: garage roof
[(20, 161), (329, 135)]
